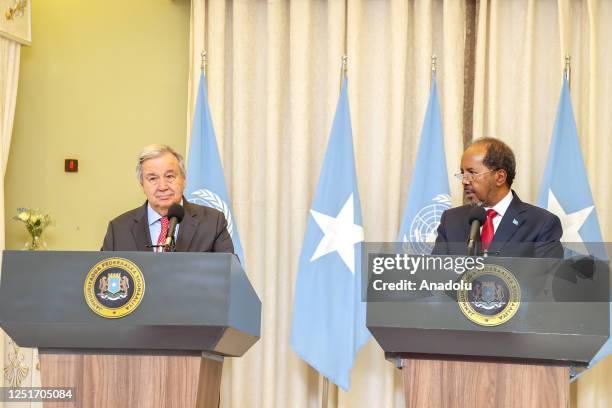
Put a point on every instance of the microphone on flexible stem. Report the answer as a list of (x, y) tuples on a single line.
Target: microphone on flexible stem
[(476, 218), (176, 212)]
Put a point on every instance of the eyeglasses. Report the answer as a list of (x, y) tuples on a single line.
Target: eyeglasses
[(469, 177), (154, 180)]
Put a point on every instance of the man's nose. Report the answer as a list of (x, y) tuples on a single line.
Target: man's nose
[(163, 184)]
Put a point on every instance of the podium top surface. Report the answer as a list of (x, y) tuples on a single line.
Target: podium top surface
[(560, 314), (189, 301)]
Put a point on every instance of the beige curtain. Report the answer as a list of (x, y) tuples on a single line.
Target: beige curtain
[(19, 366), (519, 64), (273, 77), (9, 73)]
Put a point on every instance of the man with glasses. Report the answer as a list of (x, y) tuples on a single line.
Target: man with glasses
[(161, 173), (511, 227)]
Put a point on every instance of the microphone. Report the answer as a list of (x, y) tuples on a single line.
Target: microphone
[(176, 212), (476, 218)]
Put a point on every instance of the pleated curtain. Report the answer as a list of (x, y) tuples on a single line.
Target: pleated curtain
[(273, 76), (13, 359)]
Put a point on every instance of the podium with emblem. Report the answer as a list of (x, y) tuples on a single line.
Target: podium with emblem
[(512, 338), (129, 329)]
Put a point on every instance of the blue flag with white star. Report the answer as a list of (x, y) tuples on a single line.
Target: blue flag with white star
[(328, 315), (205, 178), (429, 193), (565, 191)]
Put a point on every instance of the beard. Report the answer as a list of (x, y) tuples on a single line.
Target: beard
[(484, 199)]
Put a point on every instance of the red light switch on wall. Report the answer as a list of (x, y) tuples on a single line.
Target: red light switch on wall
[(71, 165)]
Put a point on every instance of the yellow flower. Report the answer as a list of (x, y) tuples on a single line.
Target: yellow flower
[(24, 216), (35, 218)]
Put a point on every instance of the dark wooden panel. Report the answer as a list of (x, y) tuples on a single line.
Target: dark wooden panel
[(440, 383), (134, 381)]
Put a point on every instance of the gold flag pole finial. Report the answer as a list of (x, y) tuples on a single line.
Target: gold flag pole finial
[(434, 66), (204, 56), (568, 68), (343, 69)]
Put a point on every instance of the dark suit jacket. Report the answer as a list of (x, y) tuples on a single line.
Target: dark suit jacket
[(203, 229), (525, 231)]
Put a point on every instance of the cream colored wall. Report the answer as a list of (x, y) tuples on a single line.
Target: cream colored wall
[(101, 79)]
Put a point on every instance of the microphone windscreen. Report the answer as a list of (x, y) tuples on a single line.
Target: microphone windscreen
[(176, 211), (477, 213)]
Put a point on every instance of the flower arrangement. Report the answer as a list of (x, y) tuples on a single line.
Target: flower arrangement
[(35, 224)]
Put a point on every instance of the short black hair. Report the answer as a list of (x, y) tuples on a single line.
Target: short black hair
[(499, 156)]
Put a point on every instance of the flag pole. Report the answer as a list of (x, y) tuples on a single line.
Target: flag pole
[(343, 68), (204, 53), (204, 63), (324, 394), (567, 71), (344, 55), (434, 66)]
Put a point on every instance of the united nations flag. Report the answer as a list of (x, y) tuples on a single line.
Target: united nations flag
[(429, 193)]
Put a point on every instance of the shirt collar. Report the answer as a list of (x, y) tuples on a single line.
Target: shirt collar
[(152, 215), (502, 206)]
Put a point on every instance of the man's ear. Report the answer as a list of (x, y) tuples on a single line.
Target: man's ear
[(500, 177)]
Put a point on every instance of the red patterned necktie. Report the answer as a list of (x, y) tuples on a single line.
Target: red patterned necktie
[(486, 236), (162, 234)]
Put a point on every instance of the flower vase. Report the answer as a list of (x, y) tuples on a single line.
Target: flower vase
[(36, 243)]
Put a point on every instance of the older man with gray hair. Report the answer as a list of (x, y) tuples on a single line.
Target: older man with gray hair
[(511, 228), (161, 173)]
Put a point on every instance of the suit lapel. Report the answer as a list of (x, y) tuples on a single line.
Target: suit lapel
[(140, 230), (466, 225), (510, 223), (187, 228)]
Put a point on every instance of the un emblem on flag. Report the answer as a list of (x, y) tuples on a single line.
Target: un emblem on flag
[(424, 226), (114, 287), (210, 199)]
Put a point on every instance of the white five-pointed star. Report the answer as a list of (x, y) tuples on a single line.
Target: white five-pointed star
[(341, 234), (571, 222)]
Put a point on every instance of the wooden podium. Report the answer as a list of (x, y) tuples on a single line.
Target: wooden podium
[(449, 360), (444, 382), (185, 315), (145, 380)]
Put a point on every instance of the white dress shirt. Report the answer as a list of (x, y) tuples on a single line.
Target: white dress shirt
[(500, 208)]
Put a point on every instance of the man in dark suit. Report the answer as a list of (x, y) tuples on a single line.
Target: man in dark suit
[(512, 228), (161, 173)]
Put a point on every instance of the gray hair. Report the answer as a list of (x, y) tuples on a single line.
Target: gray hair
[(153, 151)]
